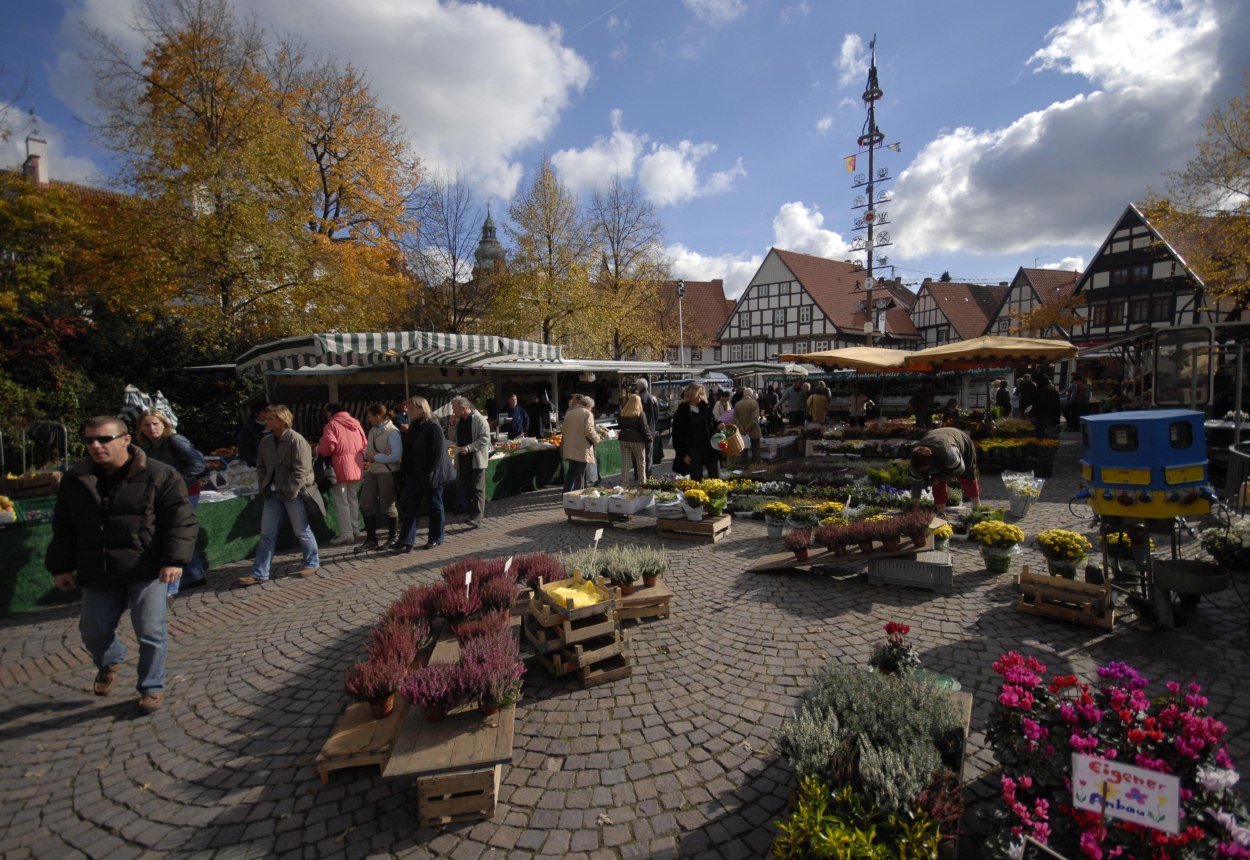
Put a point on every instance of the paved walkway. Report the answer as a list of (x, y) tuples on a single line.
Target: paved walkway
[(678, 760)]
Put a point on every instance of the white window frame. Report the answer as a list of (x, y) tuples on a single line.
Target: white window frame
[(805, 313), (779, 316)]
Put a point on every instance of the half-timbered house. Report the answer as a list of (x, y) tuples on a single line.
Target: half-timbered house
[(1030, 289), (947, 311)]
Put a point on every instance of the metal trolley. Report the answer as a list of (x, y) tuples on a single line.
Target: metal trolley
[(1146, 475)]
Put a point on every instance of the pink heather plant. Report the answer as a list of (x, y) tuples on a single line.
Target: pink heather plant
[(453, 604), (488, 623), (1036, 726), (499, 592), (492, 668), (438, 686), (372, 680), (529, 568), (416, 603), (393, 639)]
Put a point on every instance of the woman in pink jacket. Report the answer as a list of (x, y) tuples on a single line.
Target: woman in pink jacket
[(343, 441)]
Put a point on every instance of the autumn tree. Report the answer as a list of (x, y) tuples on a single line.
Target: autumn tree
[(273, 192), (545, 292), (1054, 313), (630, 241), (442, 257), (1208, 203)]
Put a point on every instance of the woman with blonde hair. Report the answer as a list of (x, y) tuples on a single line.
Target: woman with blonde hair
[(693, 428), (159, 441), (635, 435), (427, 469), (284, 473)]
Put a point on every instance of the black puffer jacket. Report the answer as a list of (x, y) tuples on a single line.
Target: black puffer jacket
[(145, 523)]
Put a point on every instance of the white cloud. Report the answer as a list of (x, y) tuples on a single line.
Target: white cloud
[(717, 11), (1057, 176), (736, 270), (796, 12), (584, 170), (669, 173), (852, 59), (1067, 264), (474, 85), (824, 124), (796, 227)]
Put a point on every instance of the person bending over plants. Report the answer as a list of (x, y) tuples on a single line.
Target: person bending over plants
[(943, 454)]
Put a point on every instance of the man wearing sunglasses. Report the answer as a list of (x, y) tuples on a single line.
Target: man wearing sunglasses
[(122, 529)]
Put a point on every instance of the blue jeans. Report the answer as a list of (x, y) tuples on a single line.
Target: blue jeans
[(574, 475), (102, 608), (413, 498), (271, 521), (193, 572)]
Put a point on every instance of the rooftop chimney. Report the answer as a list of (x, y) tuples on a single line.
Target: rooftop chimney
[(35, 168)]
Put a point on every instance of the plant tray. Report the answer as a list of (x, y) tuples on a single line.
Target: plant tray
[(611, 669), (595, 504), (626, 505), (709, 530), (574, 502), (550, 601), (450, 798), (650, 602), (359, 740), (1056, 597), (931, 570)]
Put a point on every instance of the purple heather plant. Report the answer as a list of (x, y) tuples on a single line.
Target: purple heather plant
[(798, 539), (398, 640), (454, 604), (529, 568), (438, 686), (485, 625), (492, 668), (417, 603), (499, 592), (373, 679)]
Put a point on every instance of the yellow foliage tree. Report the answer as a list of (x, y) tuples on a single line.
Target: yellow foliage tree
[(1056, 316)]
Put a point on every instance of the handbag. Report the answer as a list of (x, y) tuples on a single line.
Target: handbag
[(323, 473)]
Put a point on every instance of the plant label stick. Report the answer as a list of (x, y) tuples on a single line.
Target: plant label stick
[(507, 565), (468, 577)]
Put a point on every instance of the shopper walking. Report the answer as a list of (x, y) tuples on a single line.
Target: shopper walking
[(160, 442), (693, 428), (123, 530), (636, 436), (472, 457), (427, 469), (579, 437), (747, 417), (285, 477)]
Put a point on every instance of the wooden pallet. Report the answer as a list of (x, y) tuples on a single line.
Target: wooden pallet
[(450, 798), (596, 650), (359, 740), (709, 530), (1056, 597), (650, 602), (606, 671), (778, 561)]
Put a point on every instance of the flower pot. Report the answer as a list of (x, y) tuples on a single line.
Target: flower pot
[(865, 546), (889, 544), (801, 554), (649, 580), (693, 512), (381, 708), (998, 559), (942, 544), (1063, 567), (488, 707), (626, 588), (434, 713), (776, 526), (838, 549), (919, 540)]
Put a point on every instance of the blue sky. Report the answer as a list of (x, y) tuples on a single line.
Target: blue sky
[(1026, 128)]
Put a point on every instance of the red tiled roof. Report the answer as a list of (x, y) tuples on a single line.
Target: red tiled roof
[(1051, 284), (836, 287), (704, 309), (969, 307)]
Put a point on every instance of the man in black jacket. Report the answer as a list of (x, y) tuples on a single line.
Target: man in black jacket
[(123, 529)]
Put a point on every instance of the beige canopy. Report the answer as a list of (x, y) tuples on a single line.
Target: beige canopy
[(870, 358), (989, 351)]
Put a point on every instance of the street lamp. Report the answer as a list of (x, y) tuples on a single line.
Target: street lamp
[(681, 328)]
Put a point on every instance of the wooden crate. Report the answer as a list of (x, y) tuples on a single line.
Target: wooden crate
[(650, 602), (611, 669), (359, 740), (931, 570), (1056, 597), (543, 626), (450, 798), (595, 650), (601, 517), (607, 601), (710, 530)]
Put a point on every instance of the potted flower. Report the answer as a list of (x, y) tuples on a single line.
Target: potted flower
[(1065, 551), (620, 570), (668, 505), (694, 501), (1038, 722), (492, 671), (717, 493), (375, 681), (798, 542), (652, 563), (775, 514), (998, 542), (802, 517), (1230, 547), (942, 537), (1120, 546), (435, 689), (895, 656)]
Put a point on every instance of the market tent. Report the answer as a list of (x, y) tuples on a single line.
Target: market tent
[(358, 351), (989, 351), (869, 358)]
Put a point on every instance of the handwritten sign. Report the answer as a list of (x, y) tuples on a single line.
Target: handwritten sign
[(1129, 793), (1037, 851)]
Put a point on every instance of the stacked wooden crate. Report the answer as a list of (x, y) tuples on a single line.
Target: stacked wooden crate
[(585, 640)]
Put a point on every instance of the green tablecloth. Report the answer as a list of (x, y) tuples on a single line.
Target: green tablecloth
[(229, 529)]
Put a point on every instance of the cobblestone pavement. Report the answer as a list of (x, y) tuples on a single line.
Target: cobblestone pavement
[(677, 760)]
